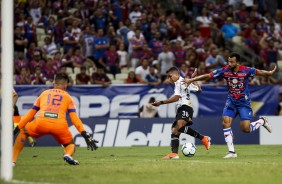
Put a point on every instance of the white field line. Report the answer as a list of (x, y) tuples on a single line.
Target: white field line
[(27, 182)]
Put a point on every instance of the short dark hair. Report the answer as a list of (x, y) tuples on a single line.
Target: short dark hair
[(61, 77), (236, 55), (172, 69)]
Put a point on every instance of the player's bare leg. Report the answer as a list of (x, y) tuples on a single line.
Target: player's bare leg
[(175, 140), (206, 140), (252, 126), (19, 144), (68, 152), (228, 135)]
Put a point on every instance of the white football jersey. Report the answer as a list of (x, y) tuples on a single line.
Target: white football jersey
[(183, 90)]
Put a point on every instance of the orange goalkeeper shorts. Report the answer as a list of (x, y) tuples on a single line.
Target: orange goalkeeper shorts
[(60, 131)]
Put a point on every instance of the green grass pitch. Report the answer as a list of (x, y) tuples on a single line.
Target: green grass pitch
[(133, 165)]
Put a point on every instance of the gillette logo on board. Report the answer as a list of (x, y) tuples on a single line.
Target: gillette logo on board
[(123, 132)]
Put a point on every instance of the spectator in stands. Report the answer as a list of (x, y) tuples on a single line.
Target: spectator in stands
[(35, 11), (222, 56), (31, 50), (24, 77), (70, 40), (152, 78), (99, 77), (135, 14), (163, 27), (75, 30), (148, 110), (204, 20), (59, 32), (213, 62), (20, 19), (20, 41), (77, 59), (228, 29), (20, 62), (49, 47), (50, 29), (38, 77), (152, 31), (57, 60), (101, 44), (112, 61), (156, 45), (166, 60), (87, 40), (197, 39), (82, 77), (30, 30), (114, 38), (268, 51), (132, 78), (50, 70), (179, 53), (252, 41), (123, 57), (122, 32), (185, 70), (137, 48), (37, 61), (192, 57), (83, 10), (66, 60), (143, 70), (130, 35), (172, 21), (99, 19), (147, 54)]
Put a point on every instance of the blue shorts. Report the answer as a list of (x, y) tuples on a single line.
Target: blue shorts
[(243, 108)]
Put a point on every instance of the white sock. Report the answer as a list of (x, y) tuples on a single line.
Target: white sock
[(229, 139), (67, 155), (255, 125)]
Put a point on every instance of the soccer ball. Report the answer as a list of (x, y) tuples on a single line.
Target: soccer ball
[(189, 149)]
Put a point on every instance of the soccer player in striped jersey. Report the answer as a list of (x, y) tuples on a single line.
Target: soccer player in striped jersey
[(238, 100), (184, 112)]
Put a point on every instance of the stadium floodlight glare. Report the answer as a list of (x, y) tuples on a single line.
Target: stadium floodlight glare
[(7, 45)]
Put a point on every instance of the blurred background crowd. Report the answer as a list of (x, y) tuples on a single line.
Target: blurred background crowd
[(135, 41)]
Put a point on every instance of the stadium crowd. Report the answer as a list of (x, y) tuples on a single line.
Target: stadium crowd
[(136, 41)]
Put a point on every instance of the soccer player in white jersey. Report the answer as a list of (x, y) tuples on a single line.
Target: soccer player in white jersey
[(184, 113)]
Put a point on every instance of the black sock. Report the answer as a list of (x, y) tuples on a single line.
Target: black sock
[(174, 143), (190, 131)]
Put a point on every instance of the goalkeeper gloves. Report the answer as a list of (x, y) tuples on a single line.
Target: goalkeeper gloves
[(91, 143), (16, 130)]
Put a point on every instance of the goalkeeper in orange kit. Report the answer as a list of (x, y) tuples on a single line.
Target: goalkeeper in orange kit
[(53, 105)]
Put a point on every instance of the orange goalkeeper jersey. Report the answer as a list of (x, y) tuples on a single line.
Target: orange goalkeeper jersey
[(53, 105)]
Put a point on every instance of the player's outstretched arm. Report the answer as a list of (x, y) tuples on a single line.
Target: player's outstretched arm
[(198, 78), (91, 143), (196, 83), (167, 101), (24, 120), (266, 73)]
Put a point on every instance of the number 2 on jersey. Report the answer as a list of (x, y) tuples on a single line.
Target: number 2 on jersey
[(56, 99)]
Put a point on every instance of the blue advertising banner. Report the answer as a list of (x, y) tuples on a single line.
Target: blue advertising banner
[(151, 132), (124, 101)]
